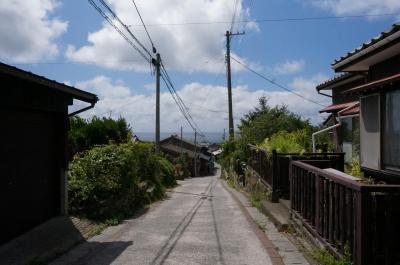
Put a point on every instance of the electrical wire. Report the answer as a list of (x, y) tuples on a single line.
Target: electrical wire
[(275, 83), (164, 74), (78, 61), (110, 21), (125, 26), (145, 28), (234, 16), (262, 20), (178, 100)]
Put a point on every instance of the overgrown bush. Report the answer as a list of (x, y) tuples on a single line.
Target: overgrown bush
[(167, 172), (114, 179), (288, 142), (85, 134)]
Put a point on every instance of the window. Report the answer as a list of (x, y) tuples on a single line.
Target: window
[(350, 131), (391, 139), (370, 132)]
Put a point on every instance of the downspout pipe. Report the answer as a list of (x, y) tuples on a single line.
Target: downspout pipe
[(326, 95), (333, 126), (82, 110)]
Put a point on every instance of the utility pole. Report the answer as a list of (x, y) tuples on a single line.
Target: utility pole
[(195, 153), (228, 35), (181, 142), (157, 64)]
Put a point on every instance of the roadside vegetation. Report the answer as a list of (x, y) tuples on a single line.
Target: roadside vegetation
[(273, 128), (110, 176), (324, 257)]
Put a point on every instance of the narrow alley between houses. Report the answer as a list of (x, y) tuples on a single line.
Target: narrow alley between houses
[(198, 223)]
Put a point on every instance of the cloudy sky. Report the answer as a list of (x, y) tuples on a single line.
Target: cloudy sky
[(70, 42)]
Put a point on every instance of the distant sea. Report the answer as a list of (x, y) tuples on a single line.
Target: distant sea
[(210, 137)]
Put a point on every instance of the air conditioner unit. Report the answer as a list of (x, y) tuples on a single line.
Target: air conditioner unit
[(370, 132)]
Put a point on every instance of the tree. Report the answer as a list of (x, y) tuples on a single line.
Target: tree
[(264, 121), (84, 134)]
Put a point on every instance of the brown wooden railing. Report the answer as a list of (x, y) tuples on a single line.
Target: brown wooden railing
[(273, 167), (340, 211)]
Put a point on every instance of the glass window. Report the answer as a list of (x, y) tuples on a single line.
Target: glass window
[(391, 140), (370, 132)]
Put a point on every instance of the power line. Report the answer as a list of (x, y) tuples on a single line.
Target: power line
[(161, 71), (275, 83), (111, 22), (178, 100), (234, 15), (144, 25), (208, 109), (262, 20), (78, 61), (125, 26)]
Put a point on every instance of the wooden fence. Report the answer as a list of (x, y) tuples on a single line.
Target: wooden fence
[(340, 212), (273, 167)]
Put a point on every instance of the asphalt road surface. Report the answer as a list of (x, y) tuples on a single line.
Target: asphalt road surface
[(199, 223)]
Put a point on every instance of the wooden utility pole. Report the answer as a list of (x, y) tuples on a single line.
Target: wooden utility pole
[(195, 153), (228, 35), (157, 64), (181, 142)]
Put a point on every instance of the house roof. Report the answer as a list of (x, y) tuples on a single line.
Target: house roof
[(374, 84), (337, 107), (179, 139), (369, 46), (339, 79), (43, 81), (177, 149), (351, 111)]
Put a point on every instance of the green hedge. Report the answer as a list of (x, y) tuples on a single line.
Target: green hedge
[(114, 179)]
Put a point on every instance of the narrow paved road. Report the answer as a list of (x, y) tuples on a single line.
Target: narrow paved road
[(199, 223)]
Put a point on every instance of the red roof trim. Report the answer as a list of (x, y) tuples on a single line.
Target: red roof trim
[(374, 84), (352, 111), (337, 107)]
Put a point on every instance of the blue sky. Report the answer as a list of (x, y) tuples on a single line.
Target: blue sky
[(70, 42)]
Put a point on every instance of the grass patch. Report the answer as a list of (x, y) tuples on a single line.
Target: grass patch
[(256, 198), (229, 181), (324, 257)]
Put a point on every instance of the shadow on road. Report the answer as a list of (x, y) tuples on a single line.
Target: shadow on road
[(99, 253), (220, 253), (172, 240)]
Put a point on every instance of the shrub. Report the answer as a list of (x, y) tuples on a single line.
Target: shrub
[(287, 142), (85, 134), (167, 172), (114, 179)]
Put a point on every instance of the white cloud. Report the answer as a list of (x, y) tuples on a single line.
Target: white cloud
[(357, 7), (207, 103), (289, 67), (28, 33), (186, 48)]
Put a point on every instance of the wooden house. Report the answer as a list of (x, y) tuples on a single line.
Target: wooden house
[(345, 108), (378, 92), (33, 137), (175, 146)]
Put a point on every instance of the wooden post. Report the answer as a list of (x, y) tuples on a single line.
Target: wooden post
[(361, 223), (275, 177)]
